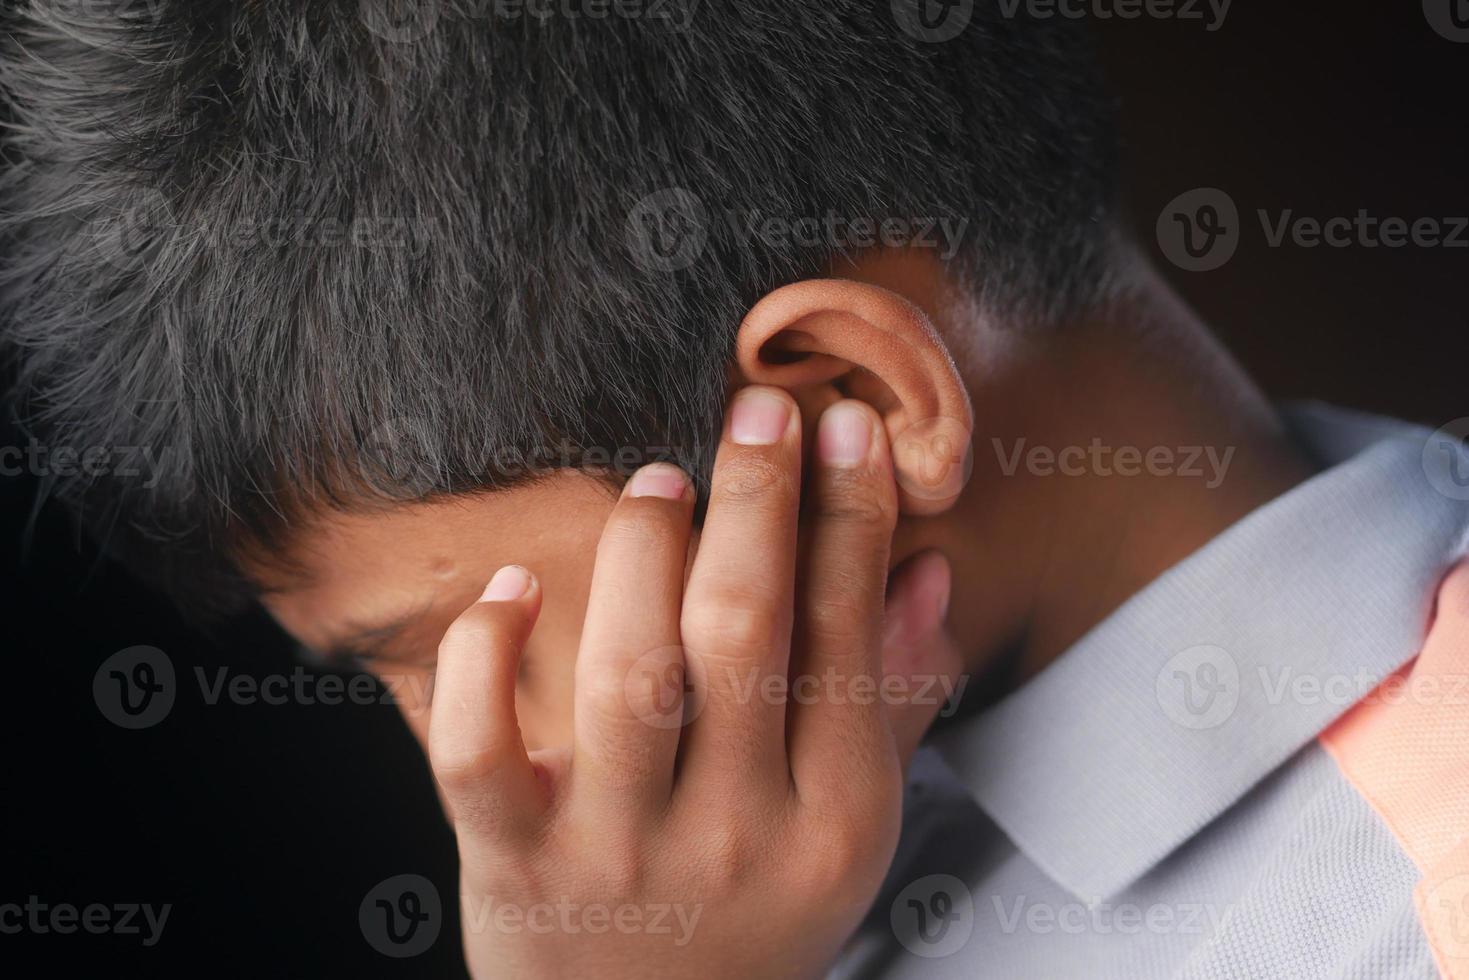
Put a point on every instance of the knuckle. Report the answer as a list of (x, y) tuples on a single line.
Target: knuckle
[(852, 496), (481, 624), (462, 771), (651, 691), (641, 527), (607, 695), (626, 755), (739, 621), (751, 478), (620, 719), (837, 615), (730, 856)]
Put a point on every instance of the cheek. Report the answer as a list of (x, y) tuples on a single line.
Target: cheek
[(545, 694), (545, 690)]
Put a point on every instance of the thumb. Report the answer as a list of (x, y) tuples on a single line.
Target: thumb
[(920, 660)]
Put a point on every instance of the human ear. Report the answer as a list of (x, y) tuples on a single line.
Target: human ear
[(826, 339)]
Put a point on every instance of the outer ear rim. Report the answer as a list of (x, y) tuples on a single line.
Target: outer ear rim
[(839, 324)]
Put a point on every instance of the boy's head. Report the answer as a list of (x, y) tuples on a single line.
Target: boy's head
[(341, 273)]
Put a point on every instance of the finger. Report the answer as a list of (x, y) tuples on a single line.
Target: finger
[(838, 725), (737, 611), (922, 667), (629, 672), (474, 743)]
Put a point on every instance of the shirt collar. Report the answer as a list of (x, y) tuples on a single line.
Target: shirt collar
[(1171, 709)]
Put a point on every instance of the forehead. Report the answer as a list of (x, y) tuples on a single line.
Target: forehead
[(388, 562)]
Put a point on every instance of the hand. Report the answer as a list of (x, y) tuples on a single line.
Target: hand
[(732, 797)]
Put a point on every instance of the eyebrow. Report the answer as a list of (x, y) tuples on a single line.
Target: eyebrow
[(362, 642)]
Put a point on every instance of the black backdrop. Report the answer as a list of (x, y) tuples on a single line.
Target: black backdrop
[(265, 826)]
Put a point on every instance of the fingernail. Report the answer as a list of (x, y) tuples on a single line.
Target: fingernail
[(659, 480), (758, 418), (843, 436), (510, 582)]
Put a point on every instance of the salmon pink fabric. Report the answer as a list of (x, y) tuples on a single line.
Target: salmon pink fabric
[(1405, 748)]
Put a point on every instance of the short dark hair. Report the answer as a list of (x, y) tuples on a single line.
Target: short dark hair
[(270, 239)]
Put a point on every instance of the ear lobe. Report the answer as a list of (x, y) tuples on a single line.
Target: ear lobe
[(818, 332)]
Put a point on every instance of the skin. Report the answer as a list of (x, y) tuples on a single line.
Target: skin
[(553, 775)]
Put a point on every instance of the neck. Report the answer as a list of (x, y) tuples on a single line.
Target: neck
[(1104, 453)]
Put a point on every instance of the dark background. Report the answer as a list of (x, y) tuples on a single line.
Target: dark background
[(265, 826), (1323, 109)]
